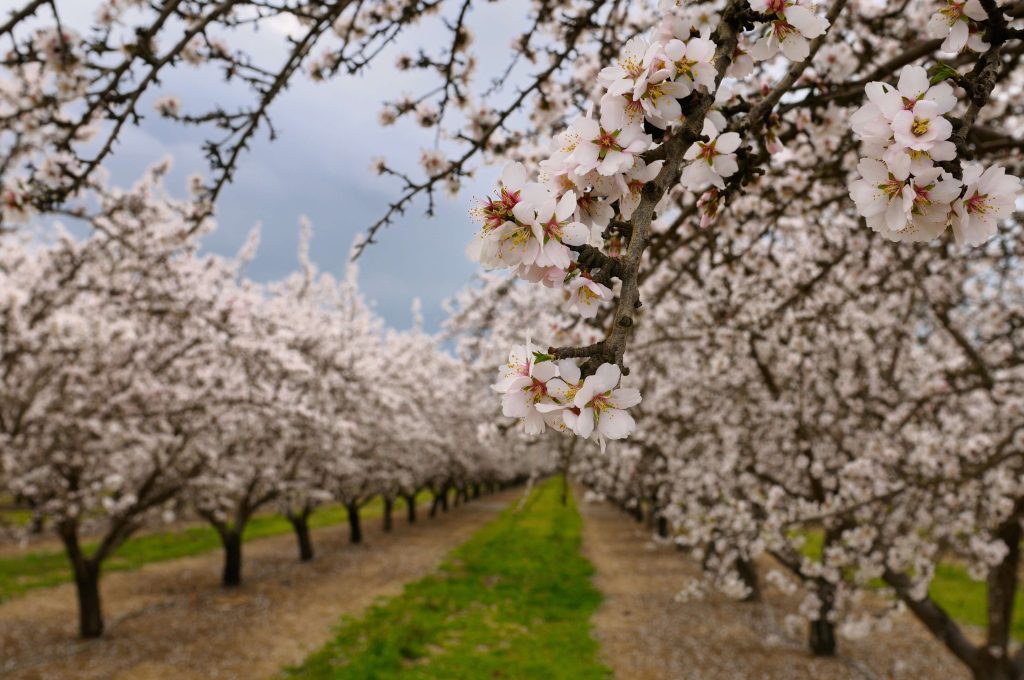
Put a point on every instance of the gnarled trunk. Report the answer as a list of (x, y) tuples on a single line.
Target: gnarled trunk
[(389, 504), (410, 507), (747, 571), (232, 541), (822, 632), (662, 526), (300, 523), (87, 584), (355, 529)]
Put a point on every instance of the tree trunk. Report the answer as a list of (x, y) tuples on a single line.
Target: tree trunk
[(232, 540), (747, 571), (301, 525), (995, 661), (87, 584), (444, 499), (355, 530), (90, 614), (662, 526), (994, 668), (410, 508), (822, 632), (435, 504), (388, 505), (476, 491)]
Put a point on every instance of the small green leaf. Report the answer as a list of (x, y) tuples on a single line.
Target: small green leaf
[(941, 72), (539, 357)]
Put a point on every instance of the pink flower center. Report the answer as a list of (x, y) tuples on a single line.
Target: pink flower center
[(707, 151), (553, 229), (605, 142), (891, 188), (782, 30), (977, 204)]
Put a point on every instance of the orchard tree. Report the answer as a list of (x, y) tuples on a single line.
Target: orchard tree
[(108, 347)]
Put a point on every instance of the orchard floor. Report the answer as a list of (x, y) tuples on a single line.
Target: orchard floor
[(646, 635), (173, 620)]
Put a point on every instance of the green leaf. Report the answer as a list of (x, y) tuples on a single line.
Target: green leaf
[(539, 357), (941, 72)]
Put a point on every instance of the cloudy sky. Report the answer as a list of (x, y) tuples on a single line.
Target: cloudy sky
[(319, 166)]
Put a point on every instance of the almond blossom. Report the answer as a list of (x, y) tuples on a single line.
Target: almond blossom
[(691, 62), (920, 128), (585, 295), (602, 406), (989, 196), (883, 198), (953, 22), (789, 32), (711, 161), (553, 230), (609, 146), (632, 183), (523, 385)]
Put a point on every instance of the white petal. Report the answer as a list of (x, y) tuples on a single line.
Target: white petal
[(616, 424), (728, 142), (625, 397)]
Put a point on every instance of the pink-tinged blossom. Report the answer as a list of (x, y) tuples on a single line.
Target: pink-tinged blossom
[(586, 295), (921, 127), (634, 61), (883, 198), (632, 184), (711, 161), (989, 197), (789, 32), (602, 406), (501, 242), (522, 381), (14, 204), (691, 62), (609, 146), (953, 22), (553, 228)]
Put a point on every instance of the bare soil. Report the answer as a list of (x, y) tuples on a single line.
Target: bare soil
[(646, 635), (173, 620)]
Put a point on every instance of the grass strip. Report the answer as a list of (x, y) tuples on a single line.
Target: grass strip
[(515, 601)]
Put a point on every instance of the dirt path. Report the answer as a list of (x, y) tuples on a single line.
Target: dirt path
[(646, 635), (173, 620)]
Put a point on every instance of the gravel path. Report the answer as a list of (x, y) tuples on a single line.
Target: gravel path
[(173, 620), (646, 635)]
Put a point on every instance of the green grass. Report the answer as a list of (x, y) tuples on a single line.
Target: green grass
[(46, 568), (514, 601), (952, 588)]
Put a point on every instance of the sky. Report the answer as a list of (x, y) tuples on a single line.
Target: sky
[(319, 167)]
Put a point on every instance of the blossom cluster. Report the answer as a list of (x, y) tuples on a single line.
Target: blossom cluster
[(903, 191), (543, 392), (958, 24), (791, 26), (594, 172)]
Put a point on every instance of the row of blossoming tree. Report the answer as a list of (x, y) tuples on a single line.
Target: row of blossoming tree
[(143, 381), (793, 226), (794, 218)]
